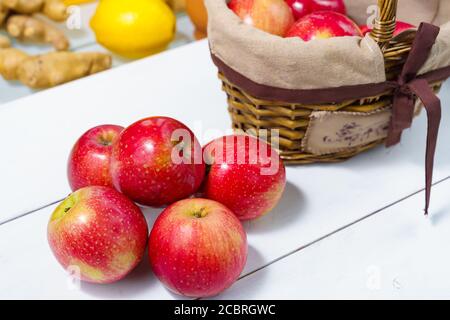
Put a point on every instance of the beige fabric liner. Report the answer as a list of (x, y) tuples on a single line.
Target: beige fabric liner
[(336, 131), (330, 132), (295, 64)]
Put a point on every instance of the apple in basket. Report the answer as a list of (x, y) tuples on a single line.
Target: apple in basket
[(245, 174), (90, 158), (98, 234), (197, 248), (323, 25), (301, 8), (272, 16), (329, 5), (399, 28)]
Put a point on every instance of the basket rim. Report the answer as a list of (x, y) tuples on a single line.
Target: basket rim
[(316, 96)]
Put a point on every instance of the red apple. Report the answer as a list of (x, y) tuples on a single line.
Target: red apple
[(245, 174), (272, 16), (364, 29), (329, 5), (399, 28), (323, 25), (100, 232), (197, 248), (301, 8), (90, 158), (157, 161)]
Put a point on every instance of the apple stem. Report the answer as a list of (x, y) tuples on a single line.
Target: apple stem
[(200, 213), (106, 138), (208, 169)]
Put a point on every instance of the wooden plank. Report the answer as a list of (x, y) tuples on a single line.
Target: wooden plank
[(29, 270), (396, 254), (45, 125)]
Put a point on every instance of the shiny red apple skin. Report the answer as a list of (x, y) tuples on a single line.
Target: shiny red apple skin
[(247, 187), (142, 166), (89, 160), (329, 5), (399, 28), (364, 29), (100, 232), (197, 248), (272, 16), (324, 25), (301, 8)]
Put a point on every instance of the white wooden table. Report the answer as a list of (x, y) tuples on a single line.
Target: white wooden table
[(349, 230)]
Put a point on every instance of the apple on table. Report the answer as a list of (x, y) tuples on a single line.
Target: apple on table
[(197, 248), (145, 168), (90, 158), (98, 233), (245, 174)]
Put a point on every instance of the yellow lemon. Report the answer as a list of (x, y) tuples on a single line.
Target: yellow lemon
[(134, 28)]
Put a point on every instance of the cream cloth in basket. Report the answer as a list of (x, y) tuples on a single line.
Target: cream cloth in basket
[(294, 64)]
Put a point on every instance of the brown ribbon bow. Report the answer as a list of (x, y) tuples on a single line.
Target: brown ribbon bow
[(408, 87)]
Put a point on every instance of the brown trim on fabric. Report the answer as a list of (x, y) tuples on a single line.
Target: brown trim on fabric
[(436, 75), (313, 96), (317, 96)]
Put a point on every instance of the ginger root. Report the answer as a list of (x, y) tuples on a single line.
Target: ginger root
[(55, 68), (4, 42), (3, 13), (51, 69), (177, 5), (23, 6), (55, 10), (10, 60), (27, 28), (46, 70)]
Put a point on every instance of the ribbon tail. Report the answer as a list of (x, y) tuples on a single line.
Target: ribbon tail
[(432, 106), (402, 116)]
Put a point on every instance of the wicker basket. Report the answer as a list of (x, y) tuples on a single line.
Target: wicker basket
[(292, 119)]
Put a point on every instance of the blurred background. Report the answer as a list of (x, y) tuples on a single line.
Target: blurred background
[(125, 30)]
